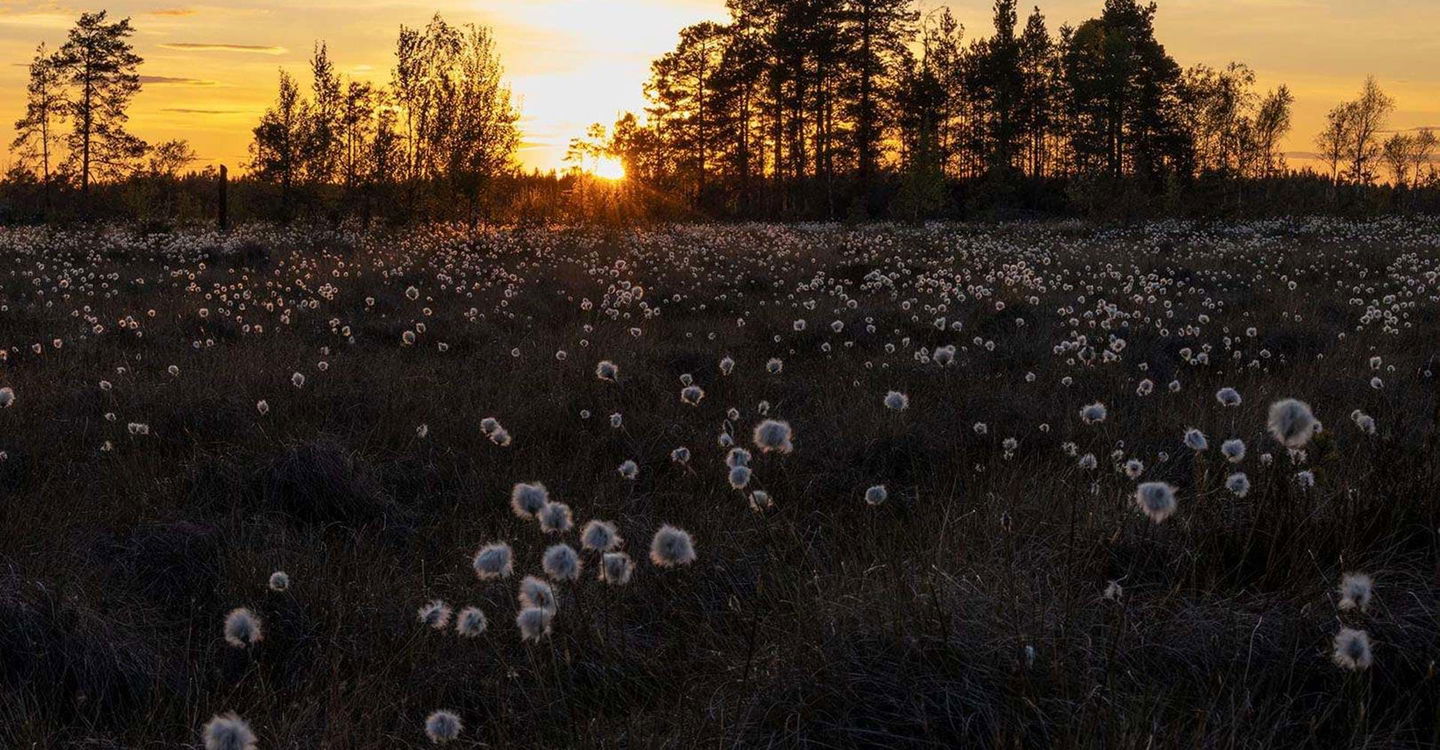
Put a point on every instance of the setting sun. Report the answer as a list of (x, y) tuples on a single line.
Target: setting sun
[(608, 169)]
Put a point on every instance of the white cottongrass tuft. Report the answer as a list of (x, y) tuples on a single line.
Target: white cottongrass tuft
[(561, 562), (527, 499), (534, 623), (1113, 591), (242, 628), (1195, 440), (760, 501), (680, 455), (773, 435), (739, 477), (1156, 500), (7, 397), (1238, 483), (692, 394), (536, 593), (435, 614), (671, 547), (555, 518), (599, 536), (1291, 422), (1364, 421), (774, 366), (616, 568), (228, 732), (470, 622), (279, 581), (607, 370), (262, 406), (1355, 591), (737, 457), (897, 401), (1093, 413), (1352, 650), (442, 726), (877, 495), (298, 380), (493, 561), (1228, 396), (727, 365), (1233, 450), (629, 469)]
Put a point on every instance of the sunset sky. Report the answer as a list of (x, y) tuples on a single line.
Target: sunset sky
[(210, 68)]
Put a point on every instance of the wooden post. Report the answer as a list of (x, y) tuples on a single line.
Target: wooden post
[(222, 209)]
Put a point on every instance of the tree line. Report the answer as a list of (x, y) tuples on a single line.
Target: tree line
[(831, 107), (791, 109), (73, 130)]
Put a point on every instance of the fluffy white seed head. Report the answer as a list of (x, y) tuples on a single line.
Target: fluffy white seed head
[(599, 536), (629, 469), (228, 732), (470, 622), (1228, 396), (1156, 500), (692, 395), (435, 614), (555, 518), (279, 581), (493, 561), (1355, 591), (1093, 413), (536, 593), (1195, 440), (737, 457), (442, 726), (534, 623), (1238, 483), (680, 455), (877, 495), (242, 628), (1291, 423), (773, 436), (527, 499), (561, 562), (897, 401), (1233, 450), (616, 568), (671, 547), (739, 477), (1352, 650), (607, 370)]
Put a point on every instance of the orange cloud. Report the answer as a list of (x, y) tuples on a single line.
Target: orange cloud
[(218, 47)]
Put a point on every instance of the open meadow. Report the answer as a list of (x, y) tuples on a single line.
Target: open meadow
[(1164, 485)]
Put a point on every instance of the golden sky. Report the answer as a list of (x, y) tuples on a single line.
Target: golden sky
[(211, 68)]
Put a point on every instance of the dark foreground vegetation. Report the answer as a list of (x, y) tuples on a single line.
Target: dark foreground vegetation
[(184, 415)]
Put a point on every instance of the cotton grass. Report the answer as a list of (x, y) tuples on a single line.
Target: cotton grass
[(442, 727), (1156, 500), (242, 628), (671, 547), (228, 732)]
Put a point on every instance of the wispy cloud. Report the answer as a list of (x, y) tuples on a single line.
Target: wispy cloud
[(218, 47), (174, 12), (192, 111), (163, 80)]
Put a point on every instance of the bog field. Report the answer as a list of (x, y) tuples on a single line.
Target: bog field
[(1052, 485)]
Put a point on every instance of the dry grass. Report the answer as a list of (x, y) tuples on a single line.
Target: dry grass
[(966, 610)]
